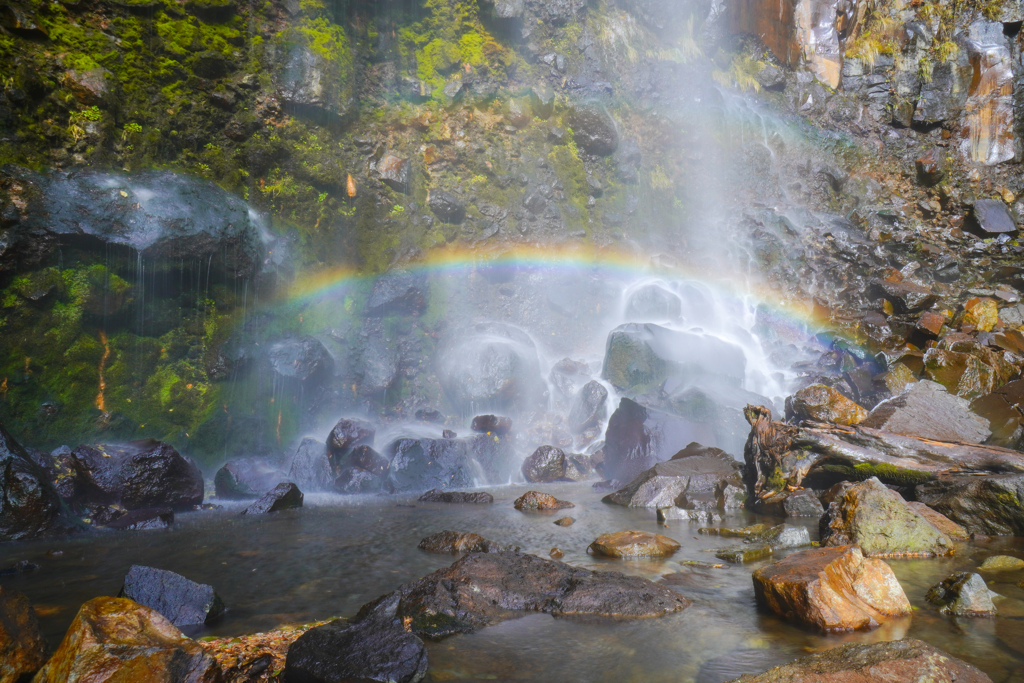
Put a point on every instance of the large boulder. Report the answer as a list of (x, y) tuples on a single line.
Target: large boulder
[(398, 293), (116, 640), (482, 589), (692, 471), (546, 464), (633, 544), (419, 464), (589, 408), (825, 404), (833, 589), (246, 478), (346, 435), (22, 650), (29, 504), (907, 660), (310, 468), (926, 410), (183, 602), (989, 504), (879, 520), (165, 217), (300, 361), (284, 496), (639, 437), (653, 303)]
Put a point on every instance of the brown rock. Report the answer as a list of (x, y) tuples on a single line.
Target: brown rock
[(931, 322), (22, 650), (535, 500), (825, 404), (634, 544), (565, 521), (116, 640), (931, 167), (981, 313), (907, 297), (987, 133), (908, 661), (833, 589), (89, 87), (460, 542), (457, 497), (961, 373), (925, 410), (556, 553)]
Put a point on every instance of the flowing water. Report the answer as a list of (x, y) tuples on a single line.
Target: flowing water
[(336, 554)]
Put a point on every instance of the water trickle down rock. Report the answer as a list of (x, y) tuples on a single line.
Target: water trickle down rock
[(987, 132)]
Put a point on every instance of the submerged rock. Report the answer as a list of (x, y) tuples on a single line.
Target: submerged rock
[(461, 542), (633, 544), (181, 601), (470, 497), (118, 641), (284, 496), (142, 520), (878, 520), (536, 501), (246, 478), (898, 660), (834, 589), (30, 504), (1001, 563), (963, 594), (22, 650)]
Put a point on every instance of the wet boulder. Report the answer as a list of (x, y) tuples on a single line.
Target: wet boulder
[(366, 458), (246, 478), (1001, 563), (398, 293), (30, 504), (992, 505), (346, 435), (355, 480), (491, 424), (483, 589), (375, 648), (628, 544), (157, 475), (990, 218), (940, 521), (535, 501), (962, 594), (114, 639), (653, 303), (22, 650), (879, 520), (639, 437), (446, 206), (145, 519), (926, 410), (590, 407), (694, 470), (897, 660), (593, 128), (419, 464), (493, 456), (833, 589), (825, 404), (284, 496), (546, 464), (310, 467), (803, 503), (183, 602), (461, 542), (457, 497), (302, 361)]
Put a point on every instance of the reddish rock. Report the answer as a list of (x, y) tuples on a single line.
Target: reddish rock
[(634, 544), (833, 589), (825, 404), (460, 542), (534, 500), (22, 650), (931, 322)]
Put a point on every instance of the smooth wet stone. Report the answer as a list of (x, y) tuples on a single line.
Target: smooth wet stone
[(639, 437), (247, 478), (284, 496), (457, 497), (1001, 563), (908, 660), (483, 589), (116, 640), (744, 554), (694, 470), (833, 589), (535, 500), (633, 544), (825, 404), (671, 513), (182, 601), (565, 521), (926, 410), (22, 649), (546, 464), (345, 436), (30, 504), (491, 424), (310, 467), (783, 536), (878, 520), (372, 649), (963, 594), (461, 542), (803, 503)]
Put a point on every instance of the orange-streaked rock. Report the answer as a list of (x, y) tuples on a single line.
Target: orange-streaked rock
[(833, 589), (987, 133), (825, 404), (634, 544), (21, 646)]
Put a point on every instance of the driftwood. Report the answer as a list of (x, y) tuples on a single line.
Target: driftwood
[(818, 454)]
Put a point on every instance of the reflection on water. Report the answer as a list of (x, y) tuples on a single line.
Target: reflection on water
[(337, 553)]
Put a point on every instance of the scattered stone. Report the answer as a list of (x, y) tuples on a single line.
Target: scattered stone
[(803, 503), (744, 554), (963, 594), (491, 424), (461, 542), (990, 218), (394, 172), (931, 166), (898, 660), (825, 404), (926, 410), (633, 544), (183, 602), (536, 501), (878, 520), (833, 589), (907, 297), (459, 497), (446, 206), (143, 520), (22, 650), (565, 521), (1001, 563), (738, 532), (931, 322), (981, 313), (284, 496), (546, 464), (556, 553), (593, 128), (116, 639)]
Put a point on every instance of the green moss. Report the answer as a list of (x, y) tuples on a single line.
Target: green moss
[(890, 474)]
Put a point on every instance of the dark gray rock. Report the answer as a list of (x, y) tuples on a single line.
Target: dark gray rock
[(446, 206), (457, 497), (546, 464), (184, 602), (926, 410), (284, 496), (803, 503), (419, 464), (491, 424), (593, 128), (990, 218), (246, 478), (308, 82), (301, 360), (346, 435), (963, 594), (695, 470), (397, 293), (145, 519), (461, 542), (355, 480), (992, 505), (639, 437), (590, 407), (310, 467), (29, 504)]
